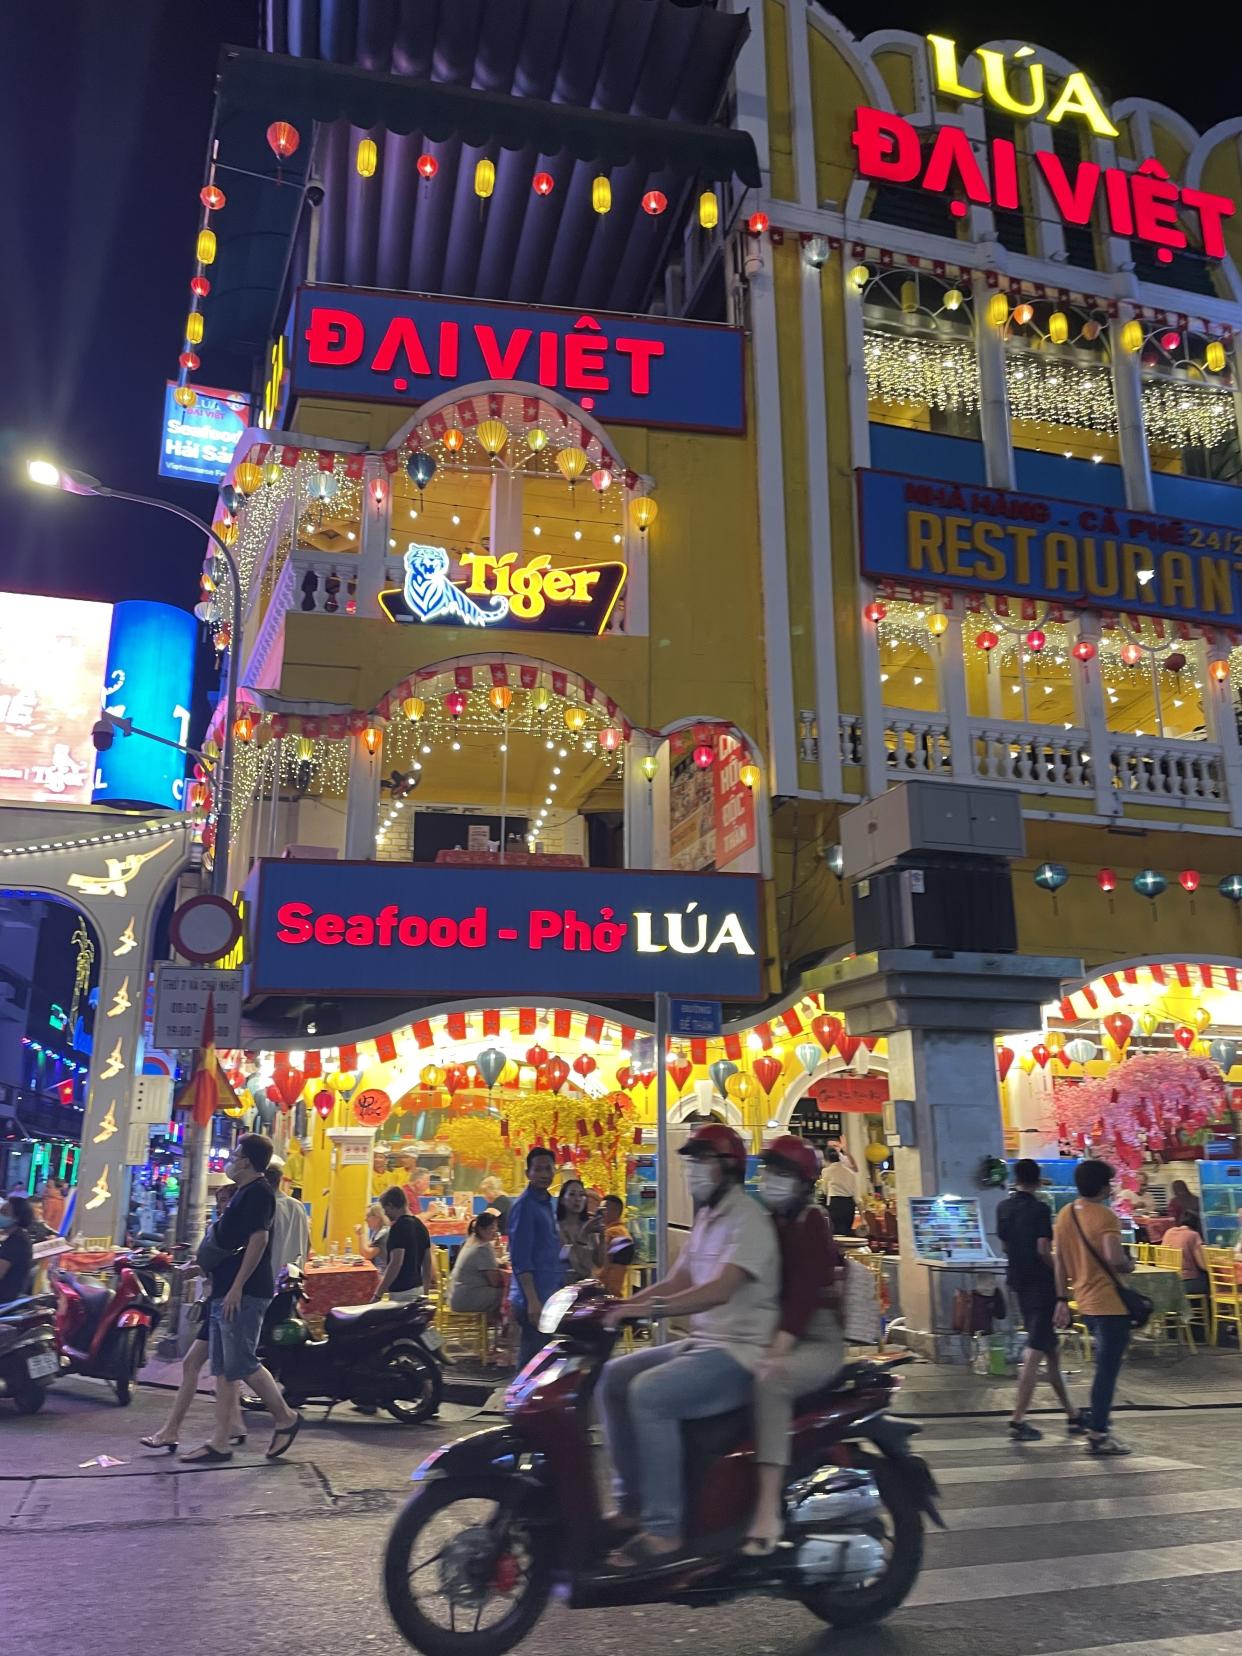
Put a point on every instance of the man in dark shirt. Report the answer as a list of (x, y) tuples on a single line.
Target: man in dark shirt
[(1024, 1225), (241, 1288), (409, 1269)]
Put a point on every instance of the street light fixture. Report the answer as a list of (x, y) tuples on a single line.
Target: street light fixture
[(50, 476)]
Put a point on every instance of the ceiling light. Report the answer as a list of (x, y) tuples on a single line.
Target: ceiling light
[(556, 769), (413, 513), (616, 540), (552, 786), (504, 747), (392, 543), (536, 530), (917, 679), (577, 534), (456, 747), (561, 752), (456, 519)]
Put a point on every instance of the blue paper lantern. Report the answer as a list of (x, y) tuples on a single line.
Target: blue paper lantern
[(230, 499), (720, 1072), (1051, 876), (421, 467), (1149, 882), (490, 1063), (1224, 1053), (1231, 887), (323, 485)]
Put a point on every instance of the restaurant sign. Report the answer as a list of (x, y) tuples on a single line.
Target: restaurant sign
[(475, 589), (932, 534), (405, 348), (392, 929)]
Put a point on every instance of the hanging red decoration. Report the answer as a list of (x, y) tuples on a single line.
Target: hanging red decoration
[(1041, 1054), (379, 492), (200, 287), (1131, 654), (1188, 879), (189, 361), (768, 1072), (848, 1045), (325, 1103), (1084, 650), (1185, 1036), (827, 1030), (1120, 1027), (283, 139), (536, 1055), (704, 755), (757, 223), (1171, 340), (679, 1071), (875, 613), (454, 1078), (428, 166), (584, 1065), (1175, 662), (1004, 1061), (986, 640), (1035, 640), (372, 1108), (543, 184), (455, 704), (626, 1078), (654, 203), (212, 197)]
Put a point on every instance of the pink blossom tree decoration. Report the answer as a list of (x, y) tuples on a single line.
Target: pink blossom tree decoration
[(1146, 1101)]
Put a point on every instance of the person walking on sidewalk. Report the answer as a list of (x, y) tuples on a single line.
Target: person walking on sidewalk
[(1024, 1225), (1087, 1252)]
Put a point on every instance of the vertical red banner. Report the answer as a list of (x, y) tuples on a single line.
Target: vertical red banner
[(733, 804)]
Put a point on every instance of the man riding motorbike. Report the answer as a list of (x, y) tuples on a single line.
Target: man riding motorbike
[(727, 1280)]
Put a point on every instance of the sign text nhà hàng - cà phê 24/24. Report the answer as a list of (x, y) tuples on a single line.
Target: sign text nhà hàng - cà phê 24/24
[(929, 533), (369, 927)]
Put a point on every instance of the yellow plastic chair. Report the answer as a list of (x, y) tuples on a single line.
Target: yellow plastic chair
[(473, 1329), (1225, 1293), (1166, 1259), (1143, 1253)]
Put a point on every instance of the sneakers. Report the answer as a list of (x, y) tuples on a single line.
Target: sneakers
[(1079, 1424), (1021, 1431), (1107, 1445)]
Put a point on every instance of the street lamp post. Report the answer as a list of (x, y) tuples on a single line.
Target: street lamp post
[(50, 476), (194, 1183)]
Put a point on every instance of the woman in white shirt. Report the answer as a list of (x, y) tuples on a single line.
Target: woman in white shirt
[(839, 1185), (475, 1283)]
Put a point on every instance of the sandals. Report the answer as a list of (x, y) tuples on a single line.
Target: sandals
[(639, 1554), (276, 1448), (760, 1546), (155, 1441), (206, 1456)]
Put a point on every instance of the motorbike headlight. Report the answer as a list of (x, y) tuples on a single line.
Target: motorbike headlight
[(554, 1308)]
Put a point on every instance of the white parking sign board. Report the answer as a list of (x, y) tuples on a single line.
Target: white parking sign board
[(181, 996)]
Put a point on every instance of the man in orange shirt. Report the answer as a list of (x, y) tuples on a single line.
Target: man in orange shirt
[(618, 1246), (1088, 1254)]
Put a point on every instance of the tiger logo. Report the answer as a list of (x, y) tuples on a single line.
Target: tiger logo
[(433, 597)]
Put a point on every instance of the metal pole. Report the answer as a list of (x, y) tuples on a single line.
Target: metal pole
[(662, 1168)]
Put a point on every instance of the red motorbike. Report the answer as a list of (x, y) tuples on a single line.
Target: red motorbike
[(502, 1518), (102, 1331)]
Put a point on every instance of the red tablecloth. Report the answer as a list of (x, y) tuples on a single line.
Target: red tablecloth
[(1155, 1228), (335, 1283)]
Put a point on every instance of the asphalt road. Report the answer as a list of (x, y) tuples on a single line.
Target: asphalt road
[(1045, 1552)]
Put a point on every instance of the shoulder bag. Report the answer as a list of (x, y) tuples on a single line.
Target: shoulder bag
[(1138, 1307)]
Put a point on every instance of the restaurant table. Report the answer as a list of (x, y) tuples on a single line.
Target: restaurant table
[(1155, 1228), (1164, 1288), (343, 1281)]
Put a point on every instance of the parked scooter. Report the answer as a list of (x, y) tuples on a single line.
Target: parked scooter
[(103, 1331), (28, 1359), (501, 1518), (383, 1356)]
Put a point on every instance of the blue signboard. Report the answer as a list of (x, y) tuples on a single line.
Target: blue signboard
[(935, 534), (150, 678), (694, 1017), (198, 443), (382, 928), (638, 370)]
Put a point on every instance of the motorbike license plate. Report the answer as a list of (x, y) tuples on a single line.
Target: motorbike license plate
[(432, 1340), (45, 1363)]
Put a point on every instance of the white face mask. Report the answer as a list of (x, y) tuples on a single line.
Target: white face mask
[(777, 1190), (230, 1171), (700, 1182)]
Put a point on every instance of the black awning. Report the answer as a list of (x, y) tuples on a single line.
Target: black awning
[(293, 89)]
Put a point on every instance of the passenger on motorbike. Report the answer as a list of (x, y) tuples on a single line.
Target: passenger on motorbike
[(809, 1347), (727, 1281)]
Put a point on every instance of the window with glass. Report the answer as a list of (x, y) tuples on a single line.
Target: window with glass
[(1059, 378), (1022, 672), (1153, 682), (910, 643), (919, 351), (1189, 413)]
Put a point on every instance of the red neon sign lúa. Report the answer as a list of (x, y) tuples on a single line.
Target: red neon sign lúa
[(574, 362), (1145, 205)]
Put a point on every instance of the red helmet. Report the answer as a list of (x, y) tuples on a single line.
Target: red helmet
[(796, 1155), (715, 1139)]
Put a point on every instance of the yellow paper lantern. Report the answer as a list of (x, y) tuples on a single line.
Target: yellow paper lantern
[(709, 210), (575, 717), (1058, 327), (484, 178), (601, 194), (909, 296), (937, 624), (431, 1076), (740, 1087), (750, 776), (1148, 1023), (876, 1153), (248, 476), (540, 696), (649, 765), (1026, 1063), (272, 471), (1132, 336), (536, 439), (194, 327), (341, 1081), (571, 462), (185, 396), (492, 435), (998, 310), (643, 512), (953, 299), (1214, 356), (227, 533), (367, 158), (413, 707), (1201, 1018), (859, 276), (205, 247), (305, 749), (500, 695)]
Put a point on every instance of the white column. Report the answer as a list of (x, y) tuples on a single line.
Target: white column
[(993, 395), (1222, 723), (506, 529), (875, 763), (1091, 715), (639, 823), (374, 531), (1132, 441), (952, 673), (362, 801), (819, 528), (801, 112)]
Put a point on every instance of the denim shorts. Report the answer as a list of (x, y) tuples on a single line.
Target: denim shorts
[(234, 1340)]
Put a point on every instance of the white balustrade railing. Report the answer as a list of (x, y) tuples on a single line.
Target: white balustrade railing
[(917, 744), (324, 584), (1180, 773), (850, 738), (1033, 756)]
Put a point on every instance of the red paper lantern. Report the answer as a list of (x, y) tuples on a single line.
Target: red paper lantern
[(768, 1072), (428, 166), (827, 1030), (609, 738), (1004, 1061), (454, 1078), (1119, 1026), (1084, 650), (543, 184), (189, 361), (536, 1055), (1171, 340), (1035, 640), (200, 287), (875, 613), (1106, 880), (1041, 1054), (679, 1071), (1185, 1036), (283, 139), (1131, 654), (654, 203), (212, 197), (626, 1078), (1188, 879), (757, 223), (455, 704), (987, 640), (325, 1103), (704, 754)]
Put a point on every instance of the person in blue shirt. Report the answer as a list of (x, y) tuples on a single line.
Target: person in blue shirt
[(534, 1251)]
